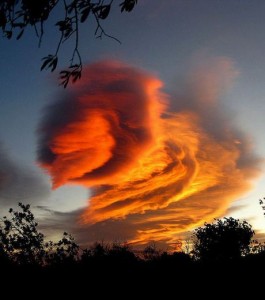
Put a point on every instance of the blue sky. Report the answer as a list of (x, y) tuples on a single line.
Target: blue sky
[(166, 38)]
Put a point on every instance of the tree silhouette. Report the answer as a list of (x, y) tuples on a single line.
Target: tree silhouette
[(65, 251), (18, 15), (151, 252), (225, 239), (23, 250), (20, 241)]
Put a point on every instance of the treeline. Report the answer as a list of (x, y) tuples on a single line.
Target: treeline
[(224, 249)]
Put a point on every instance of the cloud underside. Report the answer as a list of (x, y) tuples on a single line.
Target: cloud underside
[(154, 172)]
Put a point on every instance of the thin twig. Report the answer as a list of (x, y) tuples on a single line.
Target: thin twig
[(41, 33), (99, 27)]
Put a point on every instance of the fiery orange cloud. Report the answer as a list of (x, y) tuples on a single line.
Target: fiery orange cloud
[(103, 127), (157, 172)]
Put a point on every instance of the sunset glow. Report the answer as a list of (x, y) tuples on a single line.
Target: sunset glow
[(160, 170)]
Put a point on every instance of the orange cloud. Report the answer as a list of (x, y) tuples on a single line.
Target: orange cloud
[(157, 172)]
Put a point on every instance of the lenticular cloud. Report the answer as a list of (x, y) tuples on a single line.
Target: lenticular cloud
[(161, 170)]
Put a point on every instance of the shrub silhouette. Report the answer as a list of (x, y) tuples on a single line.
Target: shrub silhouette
[(21, 242), (65, 251), (150, 252), (118, 253), (225, 239), (22, 247)]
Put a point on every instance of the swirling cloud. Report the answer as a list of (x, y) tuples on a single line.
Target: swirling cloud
[(156, 172)]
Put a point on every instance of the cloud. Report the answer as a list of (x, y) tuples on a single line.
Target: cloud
[(19, 183), (154, 172), (101, 128)]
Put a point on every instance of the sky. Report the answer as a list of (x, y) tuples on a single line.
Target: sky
[(164, 132)]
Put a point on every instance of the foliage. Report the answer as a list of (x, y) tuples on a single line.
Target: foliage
[(104, 251), (262, 205), (18, 15), (121, 252), (20, 239), (151, 252), (23, 244), (64, 251), (223, 240), (257, 247)]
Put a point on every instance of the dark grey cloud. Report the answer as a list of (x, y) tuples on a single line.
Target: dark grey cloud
[(19, 183)]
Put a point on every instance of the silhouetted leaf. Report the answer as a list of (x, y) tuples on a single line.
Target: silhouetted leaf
[(18, 15), (3, 19), (76, 75), (104, 12), (54, 64), (85, 14), (61, 25), (72, 6), (74, 66), (8, 34), (47, 60), (20, 34), (128, 5), (63, 74)]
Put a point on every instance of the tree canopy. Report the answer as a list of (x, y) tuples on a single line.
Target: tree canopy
[(223, 240), (18, 15), (21, 243)]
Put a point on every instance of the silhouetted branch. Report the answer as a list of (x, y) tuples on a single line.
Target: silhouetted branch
[(23, 14)]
